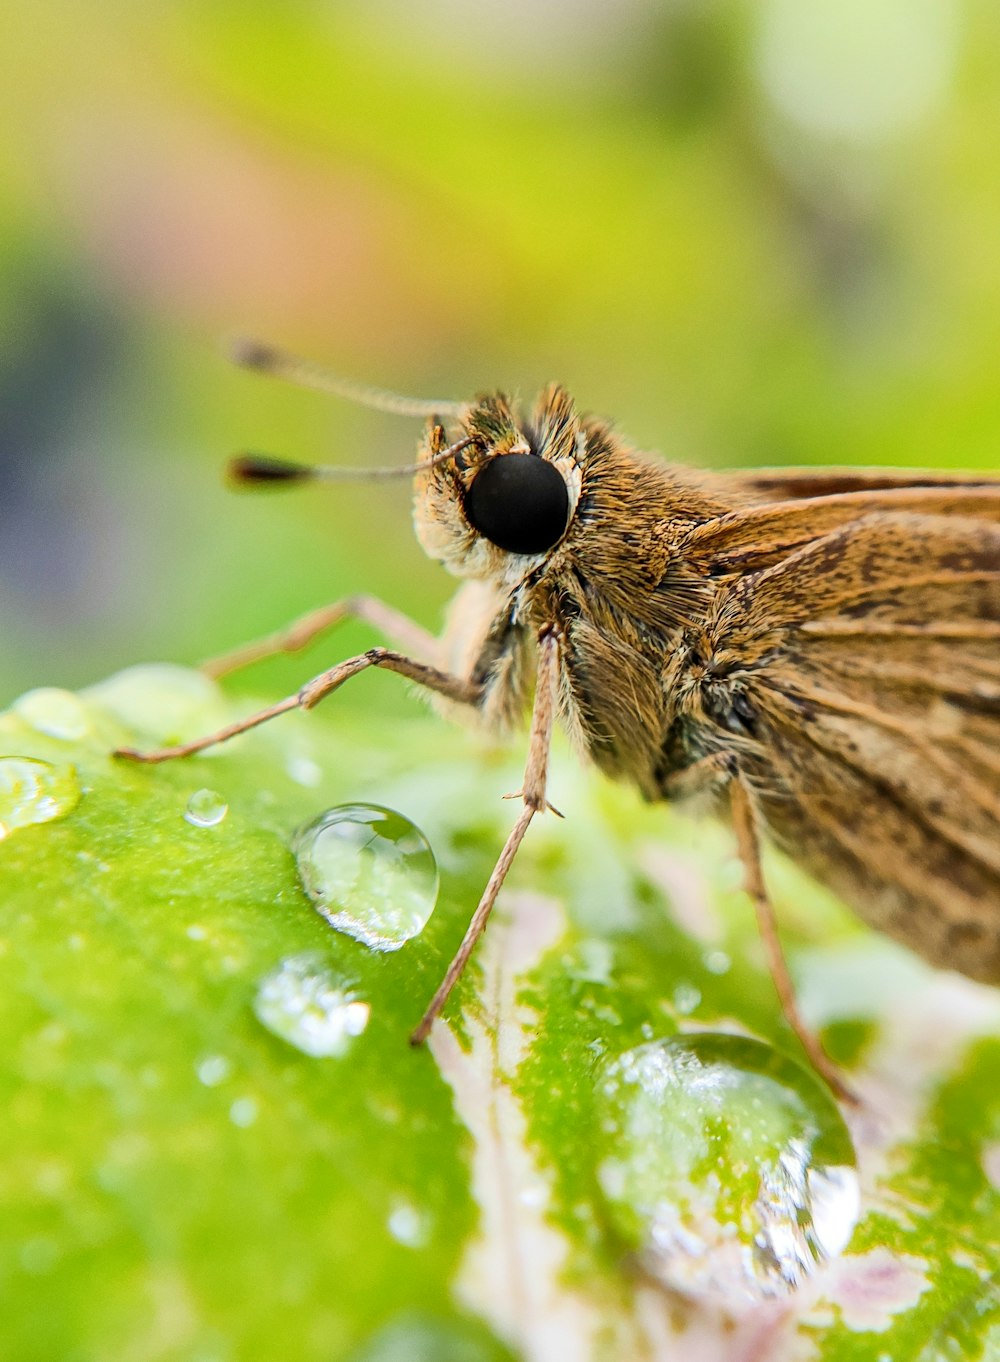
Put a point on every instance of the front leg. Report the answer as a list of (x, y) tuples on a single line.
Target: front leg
[(533, 794), (443, 683)]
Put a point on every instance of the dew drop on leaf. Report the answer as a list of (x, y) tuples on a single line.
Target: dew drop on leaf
[(408, 1226), (34, 792), (205, 809), (304, 1003), (54, 712), (243, 1112), (727, 1167), (213, 1070), (370, 872)]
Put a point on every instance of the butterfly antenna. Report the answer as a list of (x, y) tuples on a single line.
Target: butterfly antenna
[(267, 359), (259, 470)]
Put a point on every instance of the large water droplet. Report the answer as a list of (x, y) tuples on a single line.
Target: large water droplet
[(34, 792), (54, 712), (304, 1003), (370, 872), (205, 809), (728, 1167)]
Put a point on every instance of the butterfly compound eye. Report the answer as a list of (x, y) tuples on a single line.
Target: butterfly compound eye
[(519, 502)]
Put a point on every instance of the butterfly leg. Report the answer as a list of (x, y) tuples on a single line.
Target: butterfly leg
[(720, 771), (533, 794), (748, 840), (452, 687), (394, 625)]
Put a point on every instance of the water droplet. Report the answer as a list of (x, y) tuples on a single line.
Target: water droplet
[(534, 1195), (729, 1168), (408, 1226), (304, 771), (686, 998), (243, 1112), (304, 1003), (34, 792), (205, 809), (57, 713), (370, 872), (213, 1070), (717, 962)]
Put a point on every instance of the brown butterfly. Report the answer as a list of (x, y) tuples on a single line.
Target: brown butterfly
[(816, 652)]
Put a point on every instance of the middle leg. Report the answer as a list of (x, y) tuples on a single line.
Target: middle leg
[(392, 624), (443, 683)]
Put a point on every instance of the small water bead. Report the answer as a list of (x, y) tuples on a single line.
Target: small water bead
[(304, 1003), (213, 1070), (408, 1226), (728, 1167), (54, 712), (686, 998), (205, 809), (370, 872), (243, 1112), (304, 771), (34, 792)]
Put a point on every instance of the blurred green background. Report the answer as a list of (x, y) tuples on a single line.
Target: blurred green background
[(751, 232)]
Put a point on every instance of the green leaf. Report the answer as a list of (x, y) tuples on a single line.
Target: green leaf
[(590, 1160)]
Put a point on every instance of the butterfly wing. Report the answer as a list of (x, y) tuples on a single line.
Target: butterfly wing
[(797, 483), (869, 663)]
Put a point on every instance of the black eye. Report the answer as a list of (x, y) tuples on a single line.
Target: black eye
[(519, 502)]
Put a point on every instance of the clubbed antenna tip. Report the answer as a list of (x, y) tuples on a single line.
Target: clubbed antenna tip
[(254, 470), (254, 354)]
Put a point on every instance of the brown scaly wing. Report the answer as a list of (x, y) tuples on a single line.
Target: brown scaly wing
[(797, 483), (871, 656), (756, 536)]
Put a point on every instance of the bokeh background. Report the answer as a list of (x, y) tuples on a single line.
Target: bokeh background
[(753, 231)]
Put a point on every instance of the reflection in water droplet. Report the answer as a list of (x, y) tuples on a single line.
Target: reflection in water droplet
[(729, 1168), (57, 713), (205, 809), (34, 792), (305, 1004), (370, 872)]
